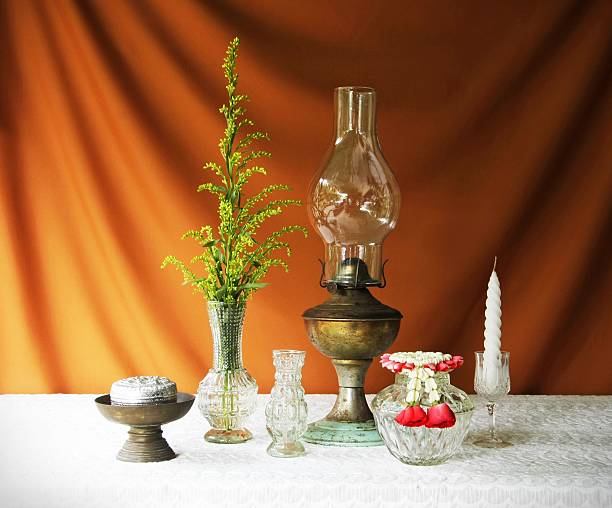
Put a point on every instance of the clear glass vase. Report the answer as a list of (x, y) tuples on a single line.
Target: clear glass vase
[(228, 394), (421, 445), (286, 410)]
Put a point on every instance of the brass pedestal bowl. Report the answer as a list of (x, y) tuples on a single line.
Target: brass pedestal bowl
[(145, 442)]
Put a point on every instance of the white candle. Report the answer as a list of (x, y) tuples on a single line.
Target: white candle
[(492, 333)]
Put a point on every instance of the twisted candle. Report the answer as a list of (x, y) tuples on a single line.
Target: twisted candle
[(492, 332)]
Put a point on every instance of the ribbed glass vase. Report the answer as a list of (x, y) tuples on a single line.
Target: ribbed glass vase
[(228, 394), (421, 446)]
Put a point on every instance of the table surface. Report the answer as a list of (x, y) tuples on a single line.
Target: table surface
[(57, 450)]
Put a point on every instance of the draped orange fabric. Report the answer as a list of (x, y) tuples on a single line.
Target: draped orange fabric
[(495, 116)]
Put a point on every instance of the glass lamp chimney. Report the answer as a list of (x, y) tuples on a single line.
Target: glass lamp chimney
[(354, 200)]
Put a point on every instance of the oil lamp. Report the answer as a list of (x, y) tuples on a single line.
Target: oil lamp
[(353, 203)]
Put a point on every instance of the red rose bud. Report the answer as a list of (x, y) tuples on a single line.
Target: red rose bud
[(412, 416), (451, 364), (442, 367), (440, 416), (458, 361)]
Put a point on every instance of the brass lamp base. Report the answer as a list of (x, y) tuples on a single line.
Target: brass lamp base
[(330, 433), (350, 422), (352, 327)]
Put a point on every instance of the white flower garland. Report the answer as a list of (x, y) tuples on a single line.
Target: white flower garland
[(421, 378), (420, 358)]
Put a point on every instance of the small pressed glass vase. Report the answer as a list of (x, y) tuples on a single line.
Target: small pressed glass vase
[(228, 394), (421, 446), (286, 411)]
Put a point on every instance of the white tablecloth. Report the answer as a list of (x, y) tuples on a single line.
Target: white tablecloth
[(58, 451)]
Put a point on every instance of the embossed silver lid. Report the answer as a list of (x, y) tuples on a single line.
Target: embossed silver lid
[(140, 390)]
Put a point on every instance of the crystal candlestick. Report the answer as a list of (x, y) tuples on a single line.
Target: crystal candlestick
[(492, 390)]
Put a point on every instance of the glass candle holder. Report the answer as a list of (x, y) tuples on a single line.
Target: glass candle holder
[(286, 410), (493, 386)]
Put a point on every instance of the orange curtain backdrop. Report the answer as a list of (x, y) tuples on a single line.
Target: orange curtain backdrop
[(495, 116)]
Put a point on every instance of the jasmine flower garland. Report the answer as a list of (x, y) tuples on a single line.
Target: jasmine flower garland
[(419, 358)]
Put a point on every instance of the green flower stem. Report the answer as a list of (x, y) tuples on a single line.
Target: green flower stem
[(234, 261)]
